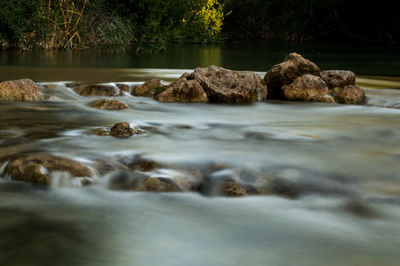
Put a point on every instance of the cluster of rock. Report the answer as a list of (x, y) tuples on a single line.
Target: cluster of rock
[(212, 84), (298, 79), (295, 79), (138, 174)]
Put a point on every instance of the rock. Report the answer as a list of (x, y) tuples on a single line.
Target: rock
[(125, 180), (159, 184), (72, 84), (149, 88), (138, 163), (224, 183), (104, 166), (185, 180), (110, 104), (185, 90), (123, 87), (227, 86), (338, 78), (286, 72), (99, 132), (274, 184), (351, 95), (307, 88), (124, 130), (232, 188), (133, 181), (97, 90), (38, 167), (23, 90)]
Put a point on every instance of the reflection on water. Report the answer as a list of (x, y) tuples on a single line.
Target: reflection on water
[(340, 162)]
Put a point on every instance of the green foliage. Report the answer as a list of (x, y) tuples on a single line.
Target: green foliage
[(17, 21)]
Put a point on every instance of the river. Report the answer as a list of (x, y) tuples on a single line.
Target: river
[(344, 160)]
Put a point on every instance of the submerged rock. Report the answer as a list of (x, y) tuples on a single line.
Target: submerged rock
[(186, 90), (286, 72), (106, 165), (97, 90), (72, 84), (124, 130), (134, 181), (351, 95), (227, 86), (110, 104), (159, 184), (308, 88), (38, 167), (124, 87), (224, 183), (338, 78), (231, 188), (149, 88), (99, 132), (23, 90), (138, 163)]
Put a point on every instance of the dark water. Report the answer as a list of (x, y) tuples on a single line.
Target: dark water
[(345, 160)]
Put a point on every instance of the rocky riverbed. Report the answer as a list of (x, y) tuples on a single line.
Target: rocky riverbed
[(128, 169)]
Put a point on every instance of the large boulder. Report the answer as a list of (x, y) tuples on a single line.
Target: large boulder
[(97, 90), (338, 78), (23, 90), (185, 89), (307, 88), (38, 167), (286, 72), (351, 95), (149, 88), (110, 104), (226, 86)]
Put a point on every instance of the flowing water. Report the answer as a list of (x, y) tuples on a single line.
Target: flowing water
[(344, 160)]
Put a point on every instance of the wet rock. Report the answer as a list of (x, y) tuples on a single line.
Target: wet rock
[(97, 90), (185, 180), (99, 132), (124, 87), (223, 183), (110, 104), (351, 95), (104, 165), (185, 90), (308, 88), (72, 84), (273, 184), (227, 86), (286, 72), (360, 209), (125, 181), (149, 88), (23, 90), (138, 163), (38, 167), (231, 188), (338, 78), (124, 130), (133, 181), (159, 184)]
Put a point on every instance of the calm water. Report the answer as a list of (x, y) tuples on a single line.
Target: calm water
[(345, 160)]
